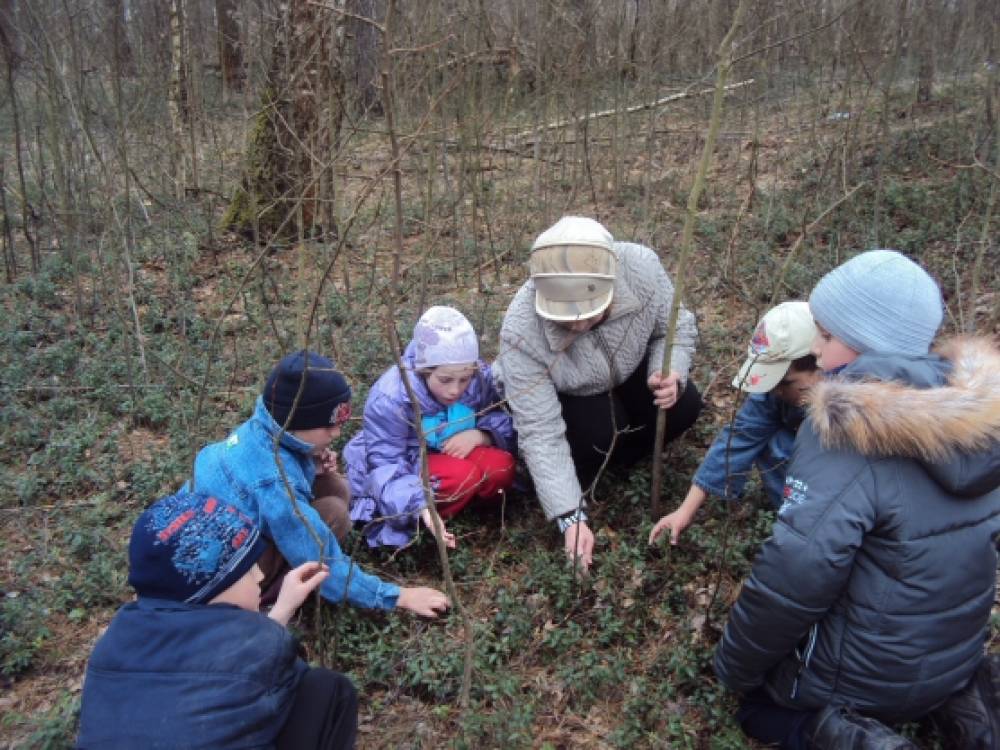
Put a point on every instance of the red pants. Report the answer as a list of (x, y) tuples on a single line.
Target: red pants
[(483, 474)]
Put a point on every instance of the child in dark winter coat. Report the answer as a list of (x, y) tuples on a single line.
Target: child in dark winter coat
[(192, 663), (777, 375), (278, 468), (871, 602), (469, 437)]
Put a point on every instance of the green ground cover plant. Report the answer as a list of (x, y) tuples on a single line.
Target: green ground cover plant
[(108, 391)]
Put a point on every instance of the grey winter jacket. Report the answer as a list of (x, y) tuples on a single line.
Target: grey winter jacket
[(538, 359), (876, 588)]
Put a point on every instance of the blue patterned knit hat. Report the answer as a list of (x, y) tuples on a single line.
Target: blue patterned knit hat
[(190, 547), (879, 301)]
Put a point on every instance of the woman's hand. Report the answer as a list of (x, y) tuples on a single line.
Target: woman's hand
[(665, 388)]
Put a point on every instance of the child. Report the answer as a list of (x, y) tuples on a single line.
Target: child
[(280, 450), (871, 602), (192, 663), (469, 438), (778, 373)]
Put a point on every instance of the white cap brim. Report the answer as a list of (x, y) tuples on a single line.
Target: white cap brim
[(563, 312), (757, 376)]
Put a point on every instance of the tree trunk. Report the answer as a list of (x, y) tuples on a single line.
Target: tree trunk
[(288, 175), (366, 51), (177, 102), (924, 52), (230, 45), (10, 38), (122, 58)]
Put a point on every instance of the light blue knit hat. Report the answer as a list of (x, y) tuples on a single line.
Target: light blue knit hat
[(879, 301)]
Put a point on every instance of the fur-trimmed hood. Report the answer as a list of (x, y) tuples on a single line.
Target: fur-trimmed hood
[(942, 410)]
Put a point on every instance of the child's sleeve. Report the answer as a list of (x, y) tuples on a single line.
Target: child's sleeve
[(803, 568), (280, 515), (393, 479), (727, 465), (493, 418)]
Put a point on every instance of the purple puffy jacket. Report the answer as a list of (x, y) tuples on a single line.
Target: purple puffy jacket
[(383, 459)]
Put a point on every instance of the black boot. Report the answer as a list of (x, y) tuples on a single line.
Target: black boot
[(839, 728), (970, 719)]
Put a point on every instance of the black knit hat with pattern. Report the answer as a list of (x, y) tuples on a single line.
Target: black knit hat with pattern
[(322, 390), (190, 547)]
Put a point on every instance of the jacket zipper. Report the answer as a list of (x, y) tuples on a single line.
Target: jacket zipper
[(804, 657)]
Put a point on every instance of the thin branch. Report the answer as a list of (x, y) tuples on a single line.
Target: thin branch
[(388, 107), (687, 241), (794, 37)]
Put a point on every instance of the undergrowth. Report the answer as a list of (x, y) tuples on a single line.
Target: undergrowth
[(96, 427)]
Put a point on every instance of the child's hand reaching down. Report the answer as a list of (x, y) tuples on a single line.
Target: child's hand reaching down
[(423, 601), (449, 539)]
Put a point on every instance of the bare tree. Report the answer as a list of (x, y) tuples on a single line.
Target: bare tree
[(9, 34), (122, 59), (364, 33), (177, 98), (230, 46), (287, 181)]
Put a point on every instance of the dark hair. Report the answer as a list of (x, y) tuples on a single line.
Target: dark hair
[(804, 364)]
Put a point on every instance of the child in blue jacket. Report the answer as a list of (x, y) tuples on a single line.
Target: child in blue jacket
[(778, 374), (270, 465), (192, 663)]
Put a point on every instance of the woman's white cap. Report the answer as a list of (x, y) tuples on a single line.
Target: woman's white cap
[(573, 267)]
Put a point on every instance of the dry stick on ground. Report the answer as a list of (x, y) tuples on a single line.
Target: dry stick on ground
[(388, 105), (583, 119), (687, 241)]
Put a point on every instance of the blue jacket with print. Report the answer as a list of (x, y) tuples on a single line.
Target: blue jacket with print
[(243, 469)]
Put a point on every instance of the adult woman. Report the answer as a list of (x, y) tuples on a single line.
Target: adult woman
[(581, 348)]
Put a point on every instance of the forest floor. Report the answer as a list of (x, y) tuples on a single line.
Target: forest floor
[(95, 428)]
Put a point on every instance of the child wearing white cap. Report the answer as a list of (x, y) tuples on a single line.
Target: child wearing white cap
[(778, 373), (469, 437), (870, 604)]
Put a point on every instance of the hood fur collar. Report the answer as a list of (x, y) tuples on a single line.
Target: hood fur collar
[(881, 418)]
